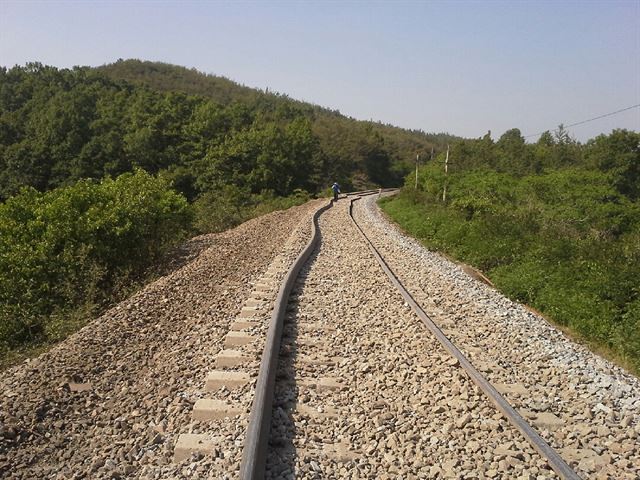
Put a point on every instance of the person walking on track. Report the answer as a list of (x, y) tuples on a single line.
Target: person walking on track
[(336, 190)]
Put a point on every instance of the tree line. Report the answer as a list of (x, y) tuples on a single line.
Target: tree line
[(58, 126)]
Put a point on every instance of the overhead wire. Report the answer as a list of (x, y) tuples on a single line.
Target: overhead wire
[(588, 120)]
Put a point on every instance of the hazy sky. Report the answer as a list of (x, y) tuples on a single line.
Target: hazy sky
[(462, 67)]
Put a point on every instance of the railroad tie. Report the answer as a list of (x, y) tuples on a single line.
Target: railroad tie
[(231, 359), (240, 325), (252, 315), (225, 379), (211, 409), (190, 443), (237, 339)]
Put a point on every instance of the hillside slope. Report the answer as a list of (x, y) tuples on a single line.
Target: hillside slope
[(335, 131), (204, 132), (555, 225), (172, 78), (232, 151)]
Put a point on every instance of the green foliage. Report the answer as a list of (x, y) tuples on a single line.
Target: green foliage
[(60, 126), (626, 334), (618, 155), (65, 250), (565, 240), (170, 78), (263, 157), (232, 151), (230, 206), (216, 211), (336, 133)]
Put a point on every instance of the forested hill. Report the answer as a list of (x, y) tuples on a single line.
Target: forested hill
[(90, 158), (363, 150), (206, 133), (172, 78), (401, 144)]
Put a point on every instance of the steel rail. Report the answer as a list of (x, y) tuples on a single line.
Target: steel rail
[(556, 462), (372, 191), (254, 452)]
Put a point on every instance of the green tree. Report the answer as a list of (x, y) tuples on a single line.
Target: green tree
[(618, 155), (73, 246)]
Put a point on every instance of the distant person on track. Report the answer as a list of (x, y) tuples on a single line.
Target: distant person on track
[(336, 190)]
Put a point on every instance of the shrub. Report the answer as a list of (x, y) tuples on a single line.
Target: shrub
[(566, 242), (73, 246)]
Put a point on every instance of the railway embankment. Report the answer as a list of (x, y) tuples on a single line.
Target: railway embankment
[(162, 385), (583, 405), (112, 399)]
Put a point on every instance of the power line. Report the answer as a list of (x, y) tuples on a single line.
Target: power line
[(588, 120)]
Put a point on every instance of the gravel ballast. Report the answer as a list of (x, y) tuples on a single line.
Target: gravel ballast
[(109, 401), (583, 405), (365, 391)]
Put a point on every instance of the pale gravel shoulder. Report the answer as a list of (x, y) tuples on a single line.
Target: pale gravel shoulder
[(562, 350), (142, 364), (597, 402)]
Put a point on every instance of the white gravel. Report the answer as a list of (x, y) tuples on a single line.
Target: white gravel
[(583, 405), (402, 408)]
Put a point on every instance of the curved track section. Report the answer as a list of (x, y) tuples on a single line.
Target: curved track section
[(555, 460), (255, 446)]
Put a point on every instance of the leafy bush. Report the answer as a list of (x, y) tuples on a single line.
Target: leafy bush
[(565, 241), (229, 206), (72, 247)]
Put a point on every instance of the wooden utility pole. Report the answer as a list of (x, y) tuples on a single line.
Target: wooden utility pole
[(446, 171), (417, 160)]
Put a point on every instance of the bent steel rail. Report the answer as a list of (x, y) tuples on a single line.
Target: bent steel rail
[(556, 462), (254, 453)]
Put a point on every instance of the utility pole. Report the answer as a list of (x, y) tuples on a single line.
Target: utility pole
[(426, 181), (446, 171), (417, 160)]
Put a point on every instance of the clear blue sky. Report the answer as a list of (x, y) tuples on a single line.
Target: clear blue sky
[(462, 67)]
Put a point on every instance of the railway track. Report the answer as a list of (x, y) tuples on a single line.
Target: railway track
[(316, 428), (164, 385), (350, 384)]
